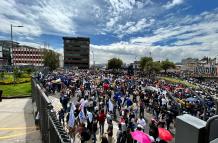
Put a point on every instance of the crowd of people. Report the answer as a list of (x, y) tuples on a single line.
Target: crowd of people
[(94, 100)]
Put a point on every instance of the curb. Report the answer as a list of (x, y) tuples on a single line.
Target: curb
[(13, 97)]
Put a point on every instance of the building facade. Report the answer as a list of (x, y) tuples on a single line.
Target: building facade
[(5, 47), (76, 52), (25, 55), (201, 67)]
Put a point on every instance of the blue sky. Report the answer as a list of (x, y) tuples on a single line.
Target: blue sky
[(128, 29)]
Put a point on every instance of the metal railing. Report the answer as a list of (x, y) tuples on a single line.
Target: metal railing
[(51, 129)]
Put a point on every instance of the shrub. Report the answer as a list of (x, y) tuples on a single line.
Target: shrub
[(11, 81), (2, 75)]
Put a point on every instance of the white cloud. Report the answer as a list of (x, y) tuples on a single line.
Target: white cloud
[(67, 17), (173, 3), (133, 27), (119, 18), (192, 40)]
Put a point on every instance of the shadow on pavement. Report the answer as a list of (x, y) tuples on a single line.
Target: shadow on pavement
[(32, 134)]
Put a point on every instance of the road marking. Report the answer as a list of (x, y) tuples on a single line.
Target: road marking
[(16, 135)]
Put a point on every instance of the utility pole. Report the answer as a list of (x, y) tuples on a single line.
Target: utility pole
[(11, 49)]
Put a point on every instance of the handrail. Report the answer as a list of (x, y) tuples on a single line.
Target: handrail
[(63, 136)]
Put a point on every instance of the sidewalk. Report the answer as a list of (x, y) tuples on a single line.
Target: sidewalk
[(17, 122)]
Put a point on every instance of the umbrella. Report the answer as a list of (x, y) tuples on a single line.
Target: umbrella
[(140, 136), (191, 99), (165, 134)]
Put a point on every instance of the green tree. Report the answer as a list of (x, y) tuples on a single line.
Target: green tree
[(28, 70), (51, 59), (146, 64), (114, 63), (156, 67), (167, 65)]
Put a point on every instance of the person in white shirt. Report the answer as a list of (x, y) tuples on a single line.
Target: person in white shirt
[(141, 122)]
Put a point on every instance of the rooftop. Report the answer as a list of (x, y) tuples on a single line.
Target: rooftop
[(76, 38)]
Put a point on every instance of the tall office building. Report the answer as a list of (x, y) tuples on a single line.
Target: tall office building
[(76, 52)]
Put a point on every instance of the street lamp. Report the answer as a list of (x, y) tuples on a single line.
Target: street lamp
[(11, 49)]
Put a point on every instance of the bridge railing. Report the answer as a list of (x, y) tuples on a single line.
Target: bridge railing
[(51, 129)]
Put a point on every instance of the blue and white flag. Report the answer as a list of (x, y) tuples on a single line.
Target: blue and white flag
[(72, 117), (82, 116), (111, 106)]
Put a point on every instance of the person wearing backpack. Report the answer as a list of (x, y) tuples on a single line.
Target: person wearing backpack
[(119, 133), (94, 130), (110, 131), (85, 134)]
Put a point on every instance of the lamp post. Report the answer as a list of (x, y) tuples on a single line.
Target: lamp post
[(11, 49)]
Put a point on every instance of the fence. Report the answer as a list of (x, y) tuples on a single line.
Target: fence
[(51, 129)]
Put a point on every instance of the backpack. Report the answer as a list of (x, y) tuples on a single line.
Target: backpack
[(87, 135), (123, 137)]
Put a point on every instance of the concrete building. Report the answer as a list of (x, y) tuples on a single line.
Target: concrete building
[(76, 52), (200, 67), (26, 55), (61, 60), (5, 57)]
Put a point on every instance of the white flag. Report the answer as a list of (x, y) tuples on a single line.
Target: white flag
[(72, 117), (90, 116), (111, 106)]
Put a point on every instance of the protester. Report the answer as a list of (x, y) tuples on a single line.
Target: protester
[(101, 119), (100, 95)]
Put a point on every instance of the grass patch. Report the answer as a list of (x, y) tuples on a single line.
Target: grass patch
[(22, 89), (179, 81)]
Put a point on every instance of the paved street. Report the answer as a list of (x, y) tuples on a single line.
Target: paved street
[(57, 106), (17, 122)]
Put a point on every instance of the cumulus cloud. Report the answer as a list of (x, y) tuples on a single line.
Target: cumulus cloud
[(182, 41), (173, 3)]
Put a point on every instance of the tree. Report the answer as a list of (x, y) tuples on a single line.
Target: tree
[(115, 63), (167, 65), (51, 59), (146, 64), (156, 67)]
